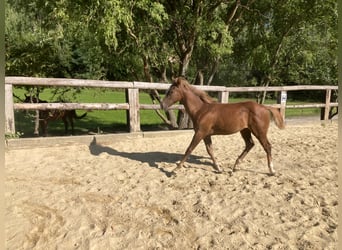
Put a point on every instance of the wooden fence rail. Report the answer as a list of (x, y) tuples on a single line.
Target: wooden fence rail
[(132, 105)]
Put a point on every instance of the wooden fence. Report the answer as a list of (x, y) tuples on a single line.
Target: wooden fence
[(132, 95)]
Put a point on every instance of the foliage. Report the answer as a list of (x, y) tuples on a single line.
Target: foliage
[(286, 42), (16, 135), (236, 42)]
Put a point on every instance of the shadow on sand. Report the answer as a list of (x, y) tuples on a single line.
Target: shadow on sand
[(151, 158)]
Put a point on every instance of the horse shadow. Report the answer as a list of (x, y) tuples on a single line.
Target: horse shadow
[(151, 158)]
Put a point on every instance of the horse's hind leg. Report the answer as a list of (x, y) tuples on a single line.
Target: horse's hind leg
[(267, 147), (209, 147), (247, 137), (65, 121), (260, 132), (72, 125), (44, 124)]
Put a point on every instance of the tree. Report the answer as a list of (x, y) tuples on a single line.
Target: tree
[(235, 42), (283, 42)]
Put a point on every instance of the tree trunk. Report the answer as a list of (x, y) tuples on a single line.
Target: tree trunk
[(185, 60), (36, 123), (163, 75), (213, 71), (184, 120), (170, 118), (199, 78), (266, 84), (36, 117)]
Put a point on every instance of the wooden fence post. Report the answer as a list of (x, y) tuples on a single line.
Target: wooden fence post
[(134, 110), (223, 96), (283, 99), (327, 104), (9, 111)]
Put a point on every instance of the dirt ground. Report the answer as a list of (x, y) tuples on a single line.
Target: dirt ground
[(120, 195)]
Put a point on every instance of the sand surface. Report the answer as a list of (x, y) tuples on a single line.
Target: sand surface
[(119, 195)]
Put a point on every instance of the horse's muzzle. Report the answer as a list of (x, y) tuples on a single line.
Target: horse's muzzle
[(164, 106)]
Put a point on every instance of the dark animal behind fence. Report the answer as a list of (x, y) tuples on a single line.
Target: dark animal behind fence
[(45, 116), (212, 118)]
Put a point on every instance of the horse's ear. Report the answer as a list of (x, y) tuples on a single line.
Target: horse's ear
[(176, 81), (181, 80)]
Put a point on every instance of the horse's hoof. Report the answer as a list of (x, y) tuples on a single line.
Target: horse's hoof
[(172, 174), (271, 173), (177, 168), (218, 170)]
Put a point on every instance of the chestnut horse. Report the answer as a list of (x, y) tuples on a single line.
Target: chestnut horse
[(212, 118)]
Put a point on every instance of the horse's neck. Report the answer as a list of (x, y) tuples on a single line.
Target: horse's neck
[(192, 103)]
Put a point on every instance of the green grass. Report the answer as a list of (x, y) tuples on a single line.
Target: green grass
[(112, 121), (96, 121)]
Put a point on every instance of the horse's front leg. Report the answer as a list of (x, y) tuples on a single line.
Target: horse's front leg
[(209, 147), (44, 124), (65, 125), (194, 142)]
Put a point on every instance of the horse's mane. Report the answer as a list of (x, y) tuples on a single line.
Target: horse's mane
[(200, 93)]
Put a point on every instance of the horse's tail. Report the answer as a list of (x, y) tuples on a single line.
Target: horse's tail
[(277, 117), (79, 117)]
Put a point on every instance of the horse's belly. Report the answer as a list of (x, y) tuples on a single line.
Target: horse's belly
[(223, 121), (226, 130), (225, 125)]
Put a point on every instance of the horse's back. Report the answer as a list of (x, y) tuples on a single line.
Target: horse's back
[(233, 117), (241, 108), (224, 118), (253, 108)]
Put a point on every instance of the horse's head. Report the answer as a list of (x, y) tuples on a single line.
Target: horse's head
[(174, 93), (179, 90)]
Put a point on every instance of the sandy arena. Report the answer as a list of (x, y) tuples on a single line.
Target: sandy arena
[(119, 194)]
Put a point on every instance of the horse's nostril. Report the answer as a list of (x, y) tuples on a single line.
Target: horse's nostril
[(163, 106)]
